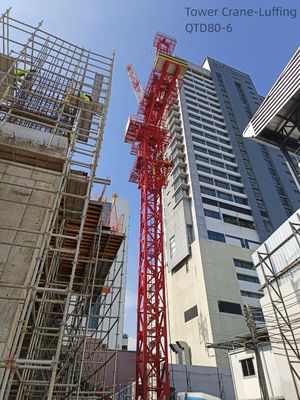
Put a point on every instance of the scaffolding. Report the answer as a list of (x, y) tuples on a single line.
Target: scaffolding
[(53, 104), (281, 313)]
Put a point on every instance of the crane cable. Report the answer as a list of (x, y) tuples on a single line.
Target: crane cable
[(144, 56)]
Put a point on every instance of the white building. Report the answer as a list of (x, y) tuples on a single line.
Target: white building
[(277, 262), (244, 374), (209, 225)]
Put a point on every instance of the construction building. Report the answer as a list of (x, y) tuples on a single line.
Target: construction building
[(61, 253), (225, 196)]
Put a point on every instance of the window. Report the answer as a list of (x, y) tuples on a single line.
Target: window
[(197, 132), (172, 247), (269, 227), (191, 313), (214, 153), (226, 206), (190, 233), (220, 126), (219, 173), (229, 219), (251, 244), (198, 141), (213, 145), (192, 103), (229, 307), (188, 84), (237, 189), (190, 90), (201, 158), (247, 278), (206, 121), (203, 169), (209, 129), (234, 178), (241, 200), (193, 109), (206, 179), (190, 96), (178, 183), (209, 136), (236, 241), (230, 168), (247, 367), (224, 196), (208, 191), (217, 163), (195, 124), (201, 150), (178, 195), (253, 295), (223, 185), (206, 114), (219, 237), (229, 158), (195, 117), (211, 214), (246, 223)]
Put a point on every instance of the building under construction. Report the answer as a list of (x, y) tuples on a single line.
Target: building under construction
[(60, 251)]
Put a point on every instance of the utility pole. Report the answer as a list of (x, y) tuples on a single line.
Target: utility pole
[(260, 370)]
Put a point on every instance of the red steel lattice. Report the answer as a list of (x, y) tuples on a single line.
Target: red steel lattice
[(149, 139)]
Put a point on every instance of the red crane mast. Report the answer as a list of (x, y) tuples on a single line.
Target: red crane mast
[(149, 138)]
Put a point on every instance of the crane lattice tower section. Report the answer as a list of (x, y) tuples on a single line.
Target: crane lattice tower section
[(149, 138)]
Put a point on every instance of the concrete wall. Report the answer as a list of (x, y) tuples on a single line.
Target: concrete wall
[(247, 388), (176, 220), (21, 207), (202, 281)]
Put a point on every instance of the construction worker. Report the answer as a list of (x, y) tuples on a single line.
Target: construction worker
[(71, 136), (87, 98), (21, 74)]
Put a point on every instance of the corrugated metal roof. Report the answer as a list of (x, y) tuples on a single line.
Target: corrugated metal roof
[(277, 107)]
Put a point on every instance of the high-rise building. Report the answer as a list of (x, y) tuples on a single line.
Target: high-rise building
[(225, 195)]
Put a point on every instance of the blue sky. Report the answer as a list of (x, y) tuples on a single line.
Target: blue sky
[(260, 46)]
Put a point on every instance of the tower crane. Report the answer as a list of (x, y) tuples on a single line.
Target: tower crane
[(148, 136)]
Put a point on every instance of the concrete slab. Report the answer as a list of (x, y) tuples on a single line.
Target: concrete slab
[(16, 266), (18, 170), (11, 214)]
